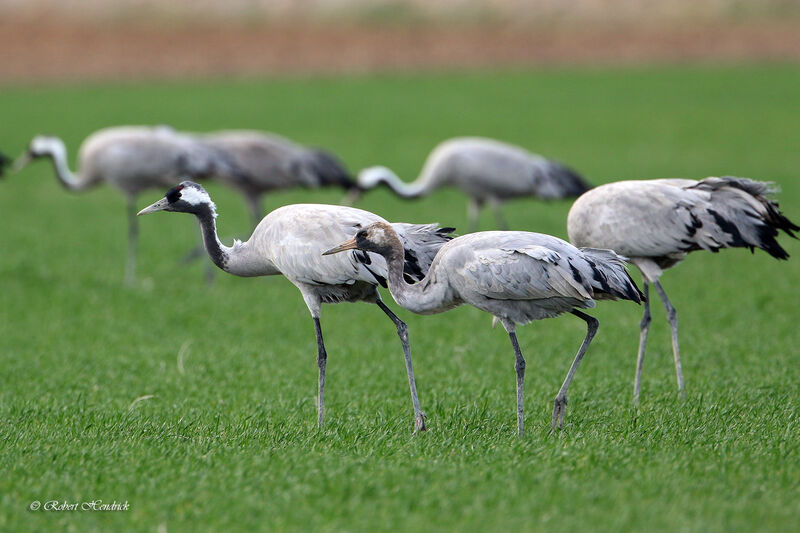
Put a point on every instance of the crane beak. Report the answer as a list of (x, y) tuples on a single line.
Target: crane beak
[(22, 161), (346, 245), (160, 205)]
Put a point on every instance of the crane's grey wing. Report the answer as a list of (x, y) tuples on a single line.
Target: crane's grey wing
[(295, 237), (523, 272), (199, 160), (317, 168), (421, 243)]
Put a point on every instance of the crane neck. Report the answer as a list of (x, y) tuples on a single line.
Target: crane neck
[(241, 259), (67, 178), (425, 297), (416, 189)]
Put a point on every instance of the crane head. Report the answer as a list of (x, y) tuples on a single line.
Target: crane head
[(40, 146), (186, 197), (378, 237)]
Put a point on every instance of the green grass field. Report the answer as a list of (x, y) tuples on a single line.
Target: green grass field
[(232, 443)]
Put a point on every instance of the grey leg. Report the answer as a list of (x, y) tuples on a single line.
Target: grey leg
[(519, 366), (254, 206), (474, 213), (672, 316), (133, 237), (402, 332), (560, 403), (497, 207), (644, 327), (322, 359)]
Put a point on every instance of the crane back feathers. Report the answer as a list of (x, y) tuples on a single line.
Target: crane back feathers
[(657, 222)]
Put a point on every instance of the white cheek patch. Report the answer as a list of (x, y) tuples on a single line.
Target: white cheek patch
[(194, 196), (379, 235)]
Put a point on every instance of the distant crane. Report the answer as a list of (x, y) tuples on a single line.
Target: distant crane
[(515, 276), (488, 171), (656, 223), (290, 241), (131, 159), (270, 162)]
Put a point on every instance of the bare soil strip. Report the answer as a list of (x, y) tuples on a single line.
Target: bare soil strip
[(48, 51)]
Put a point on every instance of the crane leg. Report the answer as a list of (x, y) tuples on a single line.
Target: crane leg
[(497, 207), (519, 367), (560, 403), (672, 316), (473, 213), (644, 327), (254, 206), (402, 332), (322, 359), (133, 237)]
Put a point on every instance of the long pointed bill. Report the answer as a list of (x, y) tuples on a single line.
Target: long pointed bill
[(21, 162), (346, 245), (158, 206)]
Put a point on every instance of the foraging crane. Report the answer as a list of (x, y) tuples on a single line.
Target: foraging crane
[(290, 241), (656, 223), (270, 162), (487, 170), (514, 275), (131, 159)]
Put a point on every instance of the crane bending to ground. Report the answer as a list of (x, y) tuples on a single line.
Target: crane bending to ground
[(270, 162), (290, 240), (657, 222), (130, 159), (516, 276), (486, 170)]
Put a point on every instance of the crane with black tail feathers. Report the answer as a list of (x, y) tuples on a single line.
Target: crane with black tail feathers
[(270, 162), (131, 159), (290, 241), (486, 170), (656, 223), (515, 276)]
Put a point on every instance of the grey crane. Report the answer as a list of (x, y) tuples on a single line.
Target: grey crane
[(131, 159), (290, 241), (270, 162), (657, 222), (487, 170), (515, 276)]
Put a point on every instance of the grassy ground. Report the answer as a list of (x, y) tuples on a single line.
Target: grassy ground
[(231, 441)]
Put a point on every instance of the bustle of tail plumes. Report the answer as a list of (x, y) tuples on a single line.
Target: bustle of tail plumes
[(740, 214), (610, 280), (421, 243), (561, 182), (329, 170)]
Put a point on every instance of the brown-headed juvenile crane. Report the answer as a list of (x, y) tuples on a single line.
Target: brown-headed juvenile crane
[(515, 276), (657, 222), (486, 170), (130, 159), (290, 241), (269, 162)]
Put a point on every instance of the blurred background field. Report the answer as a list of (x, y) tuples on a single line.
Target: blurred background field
[(228, 440)]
